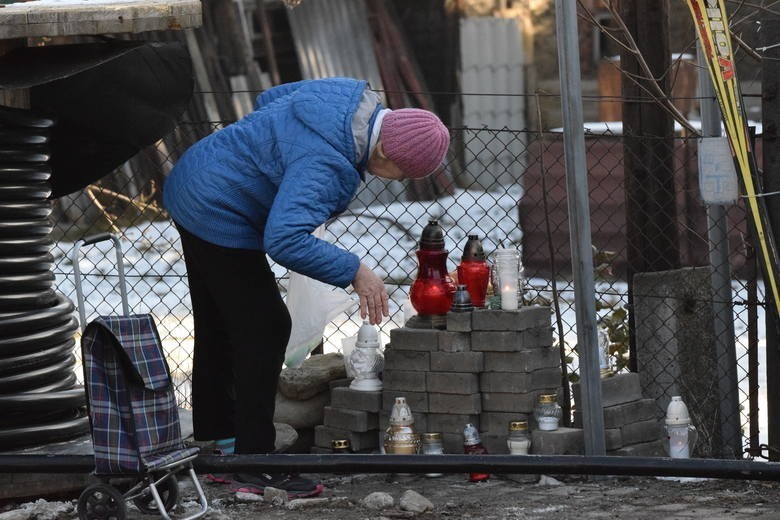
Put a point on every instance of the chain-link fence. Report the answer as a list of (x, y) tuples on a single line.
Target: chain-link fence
[(649, 229)]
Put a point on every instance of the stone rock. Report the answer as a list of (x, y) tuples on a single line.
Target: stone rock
[(285, 436), (16, 514), (546, 480), (274, 496), (413, 501), (306, 503), (312, 377), (39, 509), (299, 414), (242, 496), (378, 500)]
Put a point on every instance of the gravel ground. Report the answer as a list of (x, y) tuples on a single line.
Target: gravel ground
[(503, 497), (452, 496)]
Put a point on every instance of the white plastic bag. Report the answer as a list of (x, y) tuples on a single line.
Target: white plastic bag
[(312, 305)]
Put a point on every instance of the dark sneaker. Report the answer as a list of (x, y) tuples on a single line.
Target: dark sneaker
[(295, 485)]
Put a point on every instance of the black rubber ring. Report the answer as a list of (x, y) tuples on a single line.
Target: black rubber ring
[(13, 438), (19, 344), (25, 210), (28, 381), (39, 319), (26, 264), (37, 358)]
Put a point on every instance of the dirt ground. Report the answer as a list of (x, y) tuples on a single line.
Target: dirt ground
[(510, 497), (452, 496)]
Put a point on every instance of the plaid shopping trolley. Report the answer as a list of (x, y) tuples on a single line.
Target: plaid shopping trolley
[(133, 414)]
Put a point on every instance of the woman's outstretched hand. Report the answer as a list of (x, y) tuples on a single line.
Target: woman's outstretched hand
[(373, 296)]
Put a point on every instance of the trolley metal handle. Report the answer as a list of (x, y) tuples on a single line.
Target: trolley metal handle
[(75, 257)]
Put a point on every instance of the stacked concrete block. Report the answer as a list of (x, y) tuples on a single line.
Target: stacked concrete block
[(437, 373), (486, 368), (351, 415), (520, 363), (631, 424)]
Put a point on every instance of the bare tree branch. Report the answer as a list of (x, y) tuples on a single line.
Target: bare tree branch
[(650, 83)]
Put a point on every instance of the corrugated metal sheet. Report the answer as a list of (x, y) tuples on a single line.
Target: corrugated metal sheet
[(333, 38), (492, 60)]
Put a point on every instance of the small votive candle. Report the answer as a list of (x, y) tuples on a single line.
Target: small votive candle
[(509, 294)]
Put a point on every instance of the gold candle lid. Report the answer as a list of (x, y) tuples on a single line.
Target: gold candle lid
[(548, 398), (518, 426), (340, 444), (431, 436)]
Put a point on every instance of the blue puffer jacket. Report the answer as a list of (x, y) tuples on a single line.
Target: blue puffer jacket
[(267, 181)]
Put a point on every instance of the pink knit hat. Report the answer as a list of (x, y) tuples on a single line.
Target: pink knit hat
[(415, 140)]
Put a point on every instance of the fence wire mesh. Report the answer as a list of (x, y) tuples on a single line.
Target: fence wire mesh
[(650, 236)]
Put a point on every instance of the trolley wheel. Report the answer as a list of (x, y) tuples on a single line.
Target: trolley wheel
[(101, 502), (169, 493)]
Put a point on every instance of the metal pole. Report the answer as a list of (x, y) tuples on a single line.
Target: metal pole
[(378, 463), (723, 326), (579, 225)]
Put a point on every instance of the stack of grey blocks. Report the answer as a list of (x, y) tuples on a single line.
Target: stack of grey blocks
[(487, 368), (352, 415), (631, 423)]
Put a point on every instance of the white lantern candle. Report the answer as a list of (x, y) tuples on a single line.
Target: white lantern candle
[(681, 434), (507, 268)]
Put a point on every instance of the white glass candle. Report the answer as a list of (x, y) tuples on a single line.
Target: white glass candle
[(507, 266), (678, 442)]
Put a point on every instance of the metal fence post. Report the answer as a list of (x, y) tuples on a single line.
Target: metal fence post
[(579, 224), (723, 322)]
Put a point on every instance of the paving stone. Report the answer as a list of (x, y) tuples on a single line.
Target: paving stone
[(360, 441), (645, 449), (563, 441), (450, 422), (497, 341), (519, 382), (526, 360), (344, 397), (457, 361), (454, 403), (613, 438), (626, 413), (405, 338), (618, 389), (517, 320), (642, 431), (537, 337), (454, 341), (406, 359), (452, 383), (494, 443), (404, 380), (348, 419), (452, 442), (459, 321)]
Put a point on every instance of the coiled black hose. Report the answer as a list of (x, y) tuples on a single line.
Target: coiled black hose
[(40, 400)]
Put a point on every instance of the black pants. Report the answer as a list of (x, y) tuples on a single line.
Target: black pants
[(241, 330)]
